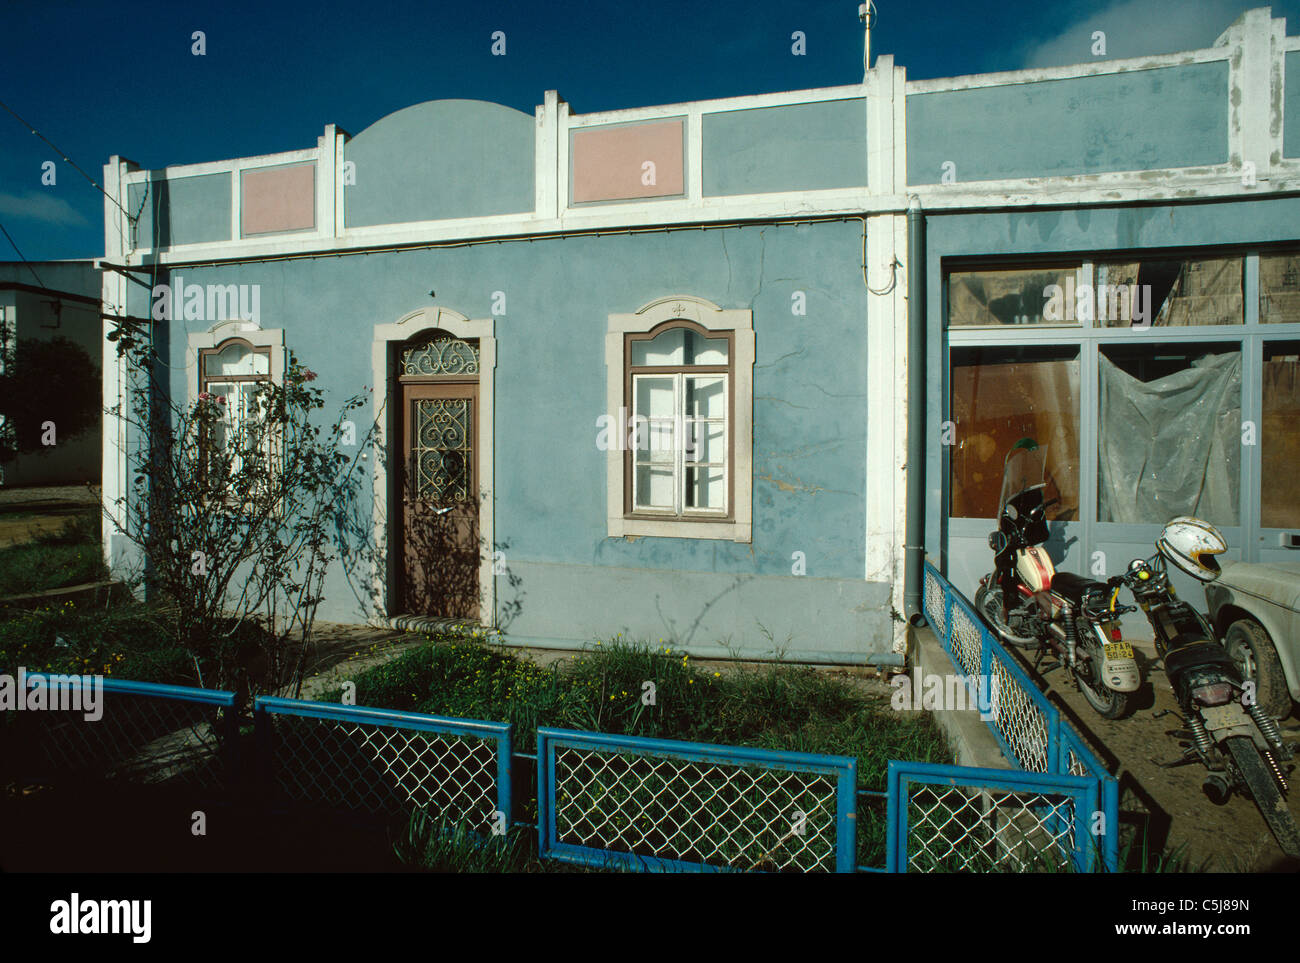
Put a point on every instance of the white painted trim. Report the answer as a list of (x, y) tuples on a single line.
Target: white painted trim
[(428, 319), (693, 157), (885, 332), (546, 156), (113, 284), (713, 318), (340, 188), (177, 171), (326, 182), (780, 99), (1039, 74)]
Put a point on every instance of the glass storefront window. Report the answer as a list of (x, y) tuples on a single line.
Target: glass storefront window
[(1279, 438), (1169, 433), (1170, 293), (1000, 395), (1279, 288), (1019, 296)]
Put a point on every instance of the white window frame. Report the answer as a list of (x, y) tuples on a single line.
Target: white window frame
[(739, 526)]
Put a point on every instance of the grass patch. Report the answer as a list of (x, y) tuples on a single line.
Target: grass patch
[(126, 641), (54, 559), (600, 690)]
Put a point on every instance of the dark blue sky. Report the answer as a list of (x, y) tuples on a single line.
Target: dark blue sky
[(101, 79)]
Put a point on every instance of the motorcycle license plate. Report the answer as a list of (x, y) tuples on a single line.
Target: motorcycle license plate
[(1119, 650)]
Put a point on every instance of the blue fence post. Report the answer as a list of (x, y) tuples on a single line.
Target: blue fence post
[(505, 791), (895, 819), (846, 823), (545, 797), (1110, 808)]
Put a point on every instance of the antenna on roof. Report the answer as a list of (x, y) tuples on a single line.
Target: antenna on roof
[(867, 14)]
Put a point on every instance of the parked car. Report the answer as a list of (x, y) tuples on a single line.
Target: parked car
[(1255, 609)]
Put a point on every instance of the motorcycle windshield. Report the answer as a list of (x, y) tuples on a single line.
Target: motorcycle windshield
[(1024, 469)]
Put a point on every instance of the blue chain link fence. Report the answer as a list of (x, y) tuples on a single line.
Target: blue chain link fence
[(138, 733), (619, 801), (1031, 731)]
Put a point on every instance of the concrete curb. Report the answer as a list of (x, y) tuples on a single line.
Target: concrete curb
[(969, 736)]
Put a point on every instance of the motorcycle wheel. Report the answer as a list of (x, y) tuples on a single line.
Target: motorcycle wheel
[(988, 603), (1106, 702), (1268, 797)]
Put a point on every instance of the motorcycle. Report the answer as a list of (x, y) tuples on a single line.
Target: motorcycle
[(1239, 744), (1031, 605)]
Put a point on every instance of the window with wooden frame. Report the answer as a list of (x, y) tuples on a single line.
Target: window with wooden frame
[(681, 382), (229, 376), (679, 400)]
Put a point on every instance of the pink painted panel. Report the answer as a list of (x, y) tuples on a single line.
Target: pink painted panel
[(609, 163), (276, 199)]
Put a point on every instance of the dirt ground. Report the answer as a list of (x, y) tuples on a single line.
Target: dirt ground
[(1232, 838), (26, 513)]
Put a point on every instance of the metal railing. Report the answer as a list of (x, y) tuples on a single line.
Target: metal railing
[(608, 800), (384, 762), (960, 819), (1031, 731), (141, 732), (622, 801)]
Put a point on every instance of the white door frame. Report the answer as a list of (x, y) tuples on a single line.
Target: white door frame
[(482, 330)]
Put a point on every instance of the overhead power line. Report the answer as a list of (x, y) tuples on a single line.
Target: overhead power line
[(14, 245), (68, 160)]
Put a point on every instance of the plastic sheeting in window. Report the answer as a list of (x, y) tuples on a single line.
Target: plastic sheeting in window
[(1171, 446)]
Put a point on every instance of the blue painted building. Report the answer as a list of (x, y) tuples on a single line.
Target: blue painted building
[(754, 283)]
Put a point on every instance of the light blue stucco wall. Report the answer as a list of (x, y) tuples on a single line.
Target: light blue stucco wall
[(1135, 120), (1291, 106), (441, 159), (183, 210), (790, 148), (810, 416)]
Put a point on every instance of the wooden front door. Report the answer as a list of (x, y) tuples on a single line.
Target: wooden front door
[(440, 504)]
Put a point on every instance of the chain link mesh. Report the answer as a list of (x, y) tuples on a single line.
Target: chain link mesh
[(934, 595), (981, 829), (967, 638), (1019, 718), (738, 816), (377, 769), (138, 738)]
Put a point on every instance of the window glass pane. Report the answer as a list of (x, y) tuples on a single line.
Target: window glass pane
[(236, 359), (706, 396), (1006, 297), (654, 487), (1279, 441), (706, 488), (1169, 433), (708, 441), (654, 396), (679, 346), (1279, 288), (1170, 293), (1000, 395)]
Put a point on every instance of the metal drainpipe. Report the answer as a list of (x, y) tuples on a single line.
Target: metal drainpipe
[(914, 533)]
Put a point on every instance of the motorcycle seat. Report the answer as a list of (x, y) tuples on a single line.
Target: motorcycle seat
[(1196, 654), (1073, 587)]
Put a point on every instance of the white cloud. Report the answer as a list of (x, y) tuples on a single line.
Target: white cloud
[(35, 206), (1138, 28)]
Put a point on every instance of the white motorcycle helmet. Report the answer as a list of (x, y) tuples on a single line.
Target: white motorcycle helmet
[(1192, 544)]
